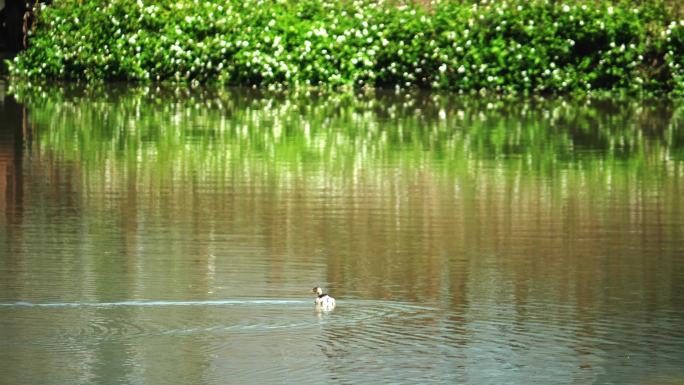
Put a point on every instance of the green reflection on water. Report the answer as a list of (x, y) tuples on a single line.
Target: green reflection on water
[(174, 130)]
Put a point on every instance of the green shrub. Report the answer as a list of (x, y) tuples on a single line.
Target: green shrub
[(540, 46)]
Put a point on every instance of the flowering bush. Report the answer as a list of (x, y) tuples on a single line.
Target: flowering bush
[(505, 46)]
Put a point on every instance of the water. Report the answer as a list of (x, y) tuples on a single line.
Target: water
[(173, 236)]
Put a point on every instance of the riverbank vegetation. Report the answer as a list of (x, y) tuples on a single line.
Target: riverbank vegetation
[(537, 46)]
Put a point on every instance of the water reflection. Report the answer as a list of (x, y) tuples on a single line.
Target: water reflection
[(471, 241)]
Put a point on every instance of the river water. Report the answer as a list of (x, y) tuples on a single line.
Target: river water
[(172, 236)]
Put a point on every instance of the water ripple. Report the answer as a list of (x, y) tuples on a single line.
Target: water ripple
[(127, 319), (391, 339)]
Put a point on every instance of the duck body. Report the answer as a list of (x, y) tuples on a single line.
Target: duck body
[(323, 301)]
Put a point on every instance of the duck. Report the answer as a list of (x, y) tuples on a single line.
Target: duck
[(323, 301)]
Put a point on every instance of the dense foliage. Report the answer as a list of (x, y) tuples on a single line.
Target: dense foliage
[(504, 46)]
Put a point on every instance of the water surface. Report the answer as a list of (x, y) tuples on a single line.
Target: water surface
[(172, 236)]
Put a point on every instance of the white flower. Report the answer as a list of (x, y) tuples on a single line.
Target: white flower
[(321, 32), (443, 68), (461, 69), (566, 8)]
